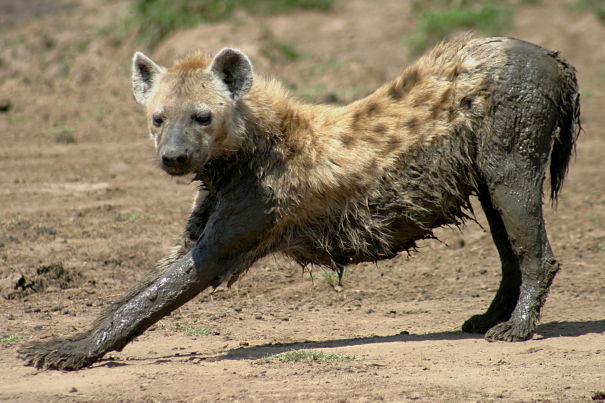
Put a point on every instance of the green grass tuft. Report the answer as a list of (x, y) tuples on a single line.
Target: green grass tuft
[(288, 51), (198, 331), (307, 356), (330, 277), (155, 19), (192, 331), (436, 24), (10, 340)]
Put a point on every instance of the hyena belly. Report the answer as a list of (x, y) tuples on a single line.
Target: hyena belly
[(427, 188)]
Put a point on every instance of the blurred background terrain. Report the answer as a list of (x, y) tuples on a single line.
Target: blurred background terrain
[(85, 212)]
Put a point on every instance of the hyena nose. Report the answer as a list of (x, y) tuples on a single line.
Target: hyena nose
[(175, 159)]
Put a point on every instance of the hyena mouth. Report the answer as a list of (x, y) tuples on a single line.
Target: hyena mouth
[(176, 171)]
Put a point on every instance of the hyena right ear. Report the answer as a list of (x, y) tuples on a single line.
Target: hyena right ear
[(144, 73)]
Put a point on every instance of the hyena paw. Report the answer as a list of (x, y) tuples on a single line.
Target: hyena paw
[(67, 354), (511, 330)]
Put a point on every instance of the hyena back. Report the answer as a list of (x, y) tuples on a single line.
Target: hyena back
[(336, 185)]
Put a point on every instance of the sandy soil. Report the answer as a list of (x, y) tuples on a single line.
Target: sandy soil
[(84, 213)]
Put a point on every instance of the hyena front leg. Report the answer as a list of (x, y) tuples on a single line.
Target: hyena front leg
[(228, 243)]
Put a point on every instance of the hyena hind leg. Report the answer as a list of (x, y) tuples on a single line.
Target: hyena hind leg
[(518, 200), (501, 308)]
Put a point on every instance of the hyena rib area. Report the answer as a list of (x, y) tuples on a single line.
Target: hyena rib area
[(333, 185), (428, 189)]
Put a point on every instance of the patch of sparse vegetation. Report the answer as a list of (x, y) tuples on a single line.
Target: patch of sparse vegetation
[(330, 277), (10, 340), (597, 7), (307, 356), (65, 135), (438, 19), (192, 331), (19, 222), (155, 19)]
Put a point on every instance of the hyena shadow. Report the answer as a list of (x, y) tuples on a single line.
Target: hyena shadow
[(547, 331)]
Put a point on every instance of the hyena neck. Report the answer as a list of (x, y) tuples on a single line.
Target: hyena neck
[(306, 154)]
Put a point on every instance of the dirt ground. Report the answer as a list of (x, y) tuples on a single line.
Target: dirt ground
[(84, 213)]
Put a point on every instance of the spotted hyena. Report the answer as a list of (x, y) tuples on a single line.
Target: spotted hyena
[(337, 185)]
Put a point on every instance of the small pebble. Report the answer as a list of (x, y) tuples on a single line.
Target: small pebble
[(73, 389)]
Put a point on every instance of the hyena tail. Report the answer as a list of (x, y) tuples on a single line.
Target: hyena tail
[(569, 128)]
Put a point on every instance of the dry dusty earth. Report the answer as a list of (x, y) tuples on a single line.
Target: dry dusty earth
[(84, 213)]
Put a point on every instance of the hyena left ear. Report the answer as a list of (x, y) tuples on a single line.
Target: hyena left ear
[(233, 68), (144, 73)]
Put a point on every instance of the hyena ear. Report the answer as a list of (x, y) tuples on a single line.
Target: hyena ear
[(233, 68), (144, 73)]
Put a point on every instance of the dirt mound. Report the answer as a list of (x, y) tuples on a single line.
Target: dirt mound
[(22, 283)]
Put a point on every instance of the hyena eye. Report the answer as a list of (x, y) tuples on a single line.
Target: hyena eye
[(203, 119), (158, 120)]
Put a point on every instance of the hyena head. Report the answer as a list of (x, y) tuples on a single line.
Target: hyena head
[(192, 107)]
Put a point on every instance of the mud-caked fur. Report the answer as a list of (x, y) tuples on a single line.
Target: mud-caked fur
[(335, 185)]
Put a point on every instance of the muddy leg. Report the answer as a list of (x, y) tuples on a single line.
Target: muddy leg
[(504, 302), (520, 205), (512, 156), (116, 327), (228, 244)]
